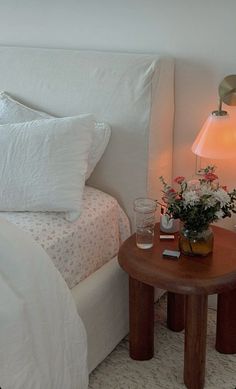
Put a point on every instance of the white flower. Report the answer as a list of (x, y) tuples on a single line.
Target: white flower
[(220, 214), (193, 184), (190, 197), (210, 202), (222, 196), (206, 190)]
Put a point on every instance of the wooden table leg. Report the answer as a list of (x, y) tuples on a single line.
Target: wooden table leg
[(226, 323), (141, 319), (195, 341), (175, 311)]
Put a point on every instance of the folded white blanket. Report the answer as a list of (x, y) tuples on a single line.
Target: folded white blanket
[(42, 338)]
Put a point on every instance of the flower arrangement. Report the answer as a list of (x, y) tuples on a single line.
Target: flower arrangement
[(200, 201)]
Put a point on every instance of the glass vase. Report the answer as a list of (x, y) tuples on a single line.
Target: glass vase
[(195, 243)]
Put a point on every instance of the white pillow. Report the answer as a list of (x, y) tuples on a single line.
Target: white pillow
[(12, 111), (43, 164)]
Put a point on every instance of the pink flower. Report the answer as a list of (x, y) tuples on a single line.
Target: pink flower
[(171, 191), (210, 177), (224, 187), (170, 196), (179, 179)]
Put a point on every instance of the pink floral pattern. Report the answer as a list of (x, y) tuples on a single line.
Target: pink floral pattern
[(78, 249)]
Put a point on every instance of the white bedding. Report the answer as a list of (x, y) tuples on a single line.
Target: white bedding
[(140, 149), (42, 338), (79, 248)]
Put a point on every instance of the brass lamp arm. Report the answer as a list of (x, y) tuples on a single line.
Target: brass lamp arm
[(219, 112), (227, 90), (227, 94)]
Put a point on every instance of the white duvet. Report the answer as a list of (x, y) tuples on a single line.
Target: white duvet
[(42, 338)]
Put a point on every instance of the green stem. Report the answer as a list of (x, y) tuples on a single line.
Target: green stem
[(190, 245)]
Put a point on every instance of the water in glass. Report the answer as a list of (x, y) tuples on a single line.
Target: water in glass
[(145, 221)]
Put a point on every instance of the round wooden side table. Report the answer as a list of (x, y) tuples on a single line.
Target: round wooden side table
[(189, 281)]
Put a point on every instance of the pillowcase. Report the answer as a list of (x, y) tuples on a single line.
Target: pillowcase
[(43, 164), (12, 111)]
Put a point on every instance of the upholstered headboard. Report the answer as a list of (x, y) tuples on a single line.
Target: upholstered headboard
[(132, 92)]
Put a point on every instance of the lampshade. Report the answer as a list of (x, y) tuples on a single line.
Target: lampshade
[(217, 138)]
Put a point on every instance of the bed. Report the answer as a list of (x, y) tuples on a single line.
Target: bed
[(134, 93)]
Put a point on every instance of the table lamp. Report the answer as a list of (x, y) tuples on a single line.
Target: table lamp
[(217, 138)]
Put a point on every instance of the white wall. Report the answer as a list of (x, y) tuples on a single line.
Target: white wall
[(200, 34)]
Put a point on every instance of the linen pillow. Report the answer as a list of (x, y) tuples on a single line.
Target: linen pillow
[(43, 164), (12, 111)]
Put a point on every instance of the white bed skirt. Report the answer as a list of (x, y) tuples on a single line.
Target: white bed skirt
[(102, 301)]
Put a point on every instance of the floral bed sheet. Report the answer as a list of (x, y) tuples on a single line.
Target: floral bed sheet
[(80, 248)]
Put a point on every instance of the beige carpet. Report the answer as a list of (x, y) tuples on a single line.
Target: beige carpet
[(165, 370)]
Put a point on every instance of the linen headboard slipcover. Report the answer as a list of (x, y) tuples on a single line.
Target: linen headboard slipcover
[(134, 93)]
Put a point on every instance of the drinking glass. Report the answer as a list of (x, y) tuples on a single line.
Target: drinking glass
[(145, 209)]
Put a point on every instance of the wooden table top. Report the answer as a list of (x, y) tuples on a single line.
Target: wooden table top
[(215, 273)]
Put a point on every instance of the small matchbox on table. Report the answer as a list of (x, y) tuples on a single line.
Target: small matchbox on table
[(172, 254), (167, 237)]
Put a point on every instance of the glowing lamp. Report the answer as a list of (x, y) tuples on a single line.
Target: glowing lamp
[(217, 138)]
